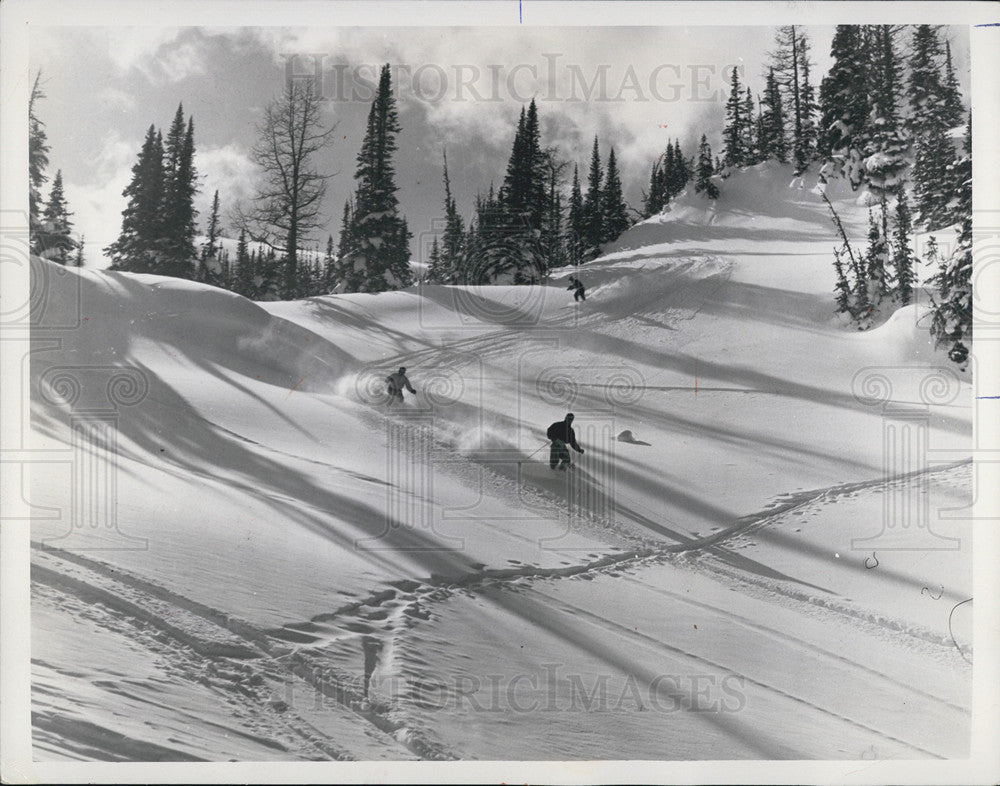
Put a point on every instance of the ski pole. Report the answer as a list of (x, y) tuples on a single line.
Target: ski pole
[(544, 445)]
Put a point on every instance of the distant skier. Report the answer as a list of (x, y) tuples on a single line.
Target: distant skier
[(561, 433), (579, 291), (397, 383)]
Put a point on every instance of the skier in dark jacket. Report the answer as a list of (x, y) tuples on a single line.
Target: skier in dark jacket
[(579, 291), (561, 433), (396, 384)]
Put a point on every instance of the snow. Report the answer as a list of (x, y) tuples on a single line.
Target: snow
[(299, 574)]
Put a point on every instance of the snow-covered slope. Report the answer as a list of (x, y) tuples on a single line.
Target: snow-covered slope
[(299, 573)]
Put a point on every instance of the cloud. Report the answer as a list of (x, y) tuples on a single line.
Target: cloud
[(97, 206), (228, 170)]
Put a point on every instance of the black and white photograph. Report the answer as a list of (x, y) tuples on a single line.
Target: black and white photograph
[(523, 391)]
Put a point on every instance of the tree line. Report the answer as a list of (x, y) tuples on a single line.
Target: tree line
[(883, 119)]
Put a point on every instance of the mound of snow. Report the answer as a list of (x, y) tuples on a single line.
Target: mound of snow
[(184, 321), (767, 197)]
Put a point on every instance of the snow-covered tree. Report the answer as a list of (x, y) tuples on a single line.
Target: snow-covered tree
[(845, 107), (903, 259), (705, 168), (888, 150), (954, 109), (952, 321)]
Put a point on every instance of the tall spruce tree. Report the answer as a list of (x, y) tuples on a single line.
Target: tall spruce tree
[(845, 106), (593, 230), (704, 184), (38, 160), (576, 221), (614, 213), (789, 61), (773, 144), (954, 110), (951, 323), (210, 248), (137, 248), (887, 153), (55, 236), (733, 136), (929, 124), (176, 245), (751, 151), (453, 241), (379, 260), (903, 260)]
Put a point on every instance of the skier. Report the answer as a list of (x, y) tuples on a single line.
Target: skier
[(561, 433), (579, 291), (397, 382)]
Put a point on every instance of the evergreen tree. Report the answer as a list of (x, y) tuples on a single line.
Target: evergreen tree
[(809, 140), (951, 324), (437, 273), (844, 106), (78, 259), (925, 91), (614, 213), (954, 111), (38, 160), (903, 260), (790, 60), (593, 227), (137, 246), (329, 266), (552, 236), (345, 243), (576, 223), (179, 187), (704, 183), (751, 153), (243, 275), (887, 147), (55, 235), (210, 248), (773, 143), (734, 134), (876, 263), (454, 234), (379, 259), (929, 124)]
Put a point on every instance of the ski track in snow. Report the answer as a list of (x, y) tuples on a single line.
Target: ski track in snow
[(247, 661)]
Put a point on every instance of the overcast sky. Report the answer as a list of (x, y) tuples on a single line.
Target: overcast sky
[(459, 89)]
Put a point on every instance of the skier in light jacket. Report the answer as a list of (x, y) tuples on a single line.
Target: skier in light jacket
[(561, 433), (396, 384)]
